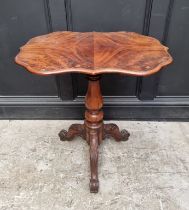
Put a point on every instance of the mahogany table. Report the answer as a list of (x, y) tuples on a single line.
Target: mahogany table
[(94, 53)]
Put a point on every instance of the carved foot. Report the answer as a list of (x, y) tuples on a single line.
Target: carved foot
[(73, 131), (112, 130), (94, 185)]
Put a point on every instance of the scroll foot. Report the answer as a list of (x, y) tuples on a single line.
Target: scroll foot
[(73, 131), (112, 130)]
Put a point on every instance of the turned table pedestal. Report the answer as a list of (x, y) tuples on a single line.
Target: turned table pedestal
[(93, 54)]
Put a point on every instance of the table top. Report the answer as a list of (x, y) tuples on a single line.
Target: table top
[(93, 53)]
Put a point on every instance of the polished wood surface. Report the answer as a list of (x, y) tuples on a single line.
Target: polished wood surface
[(93, 53)]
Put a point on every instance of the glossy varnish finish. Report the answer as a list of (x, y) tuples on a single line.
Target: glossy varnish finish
[(94, 53)]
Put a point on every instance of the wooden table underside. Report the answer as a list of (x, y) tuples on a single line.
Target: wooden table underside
[(94, 53)]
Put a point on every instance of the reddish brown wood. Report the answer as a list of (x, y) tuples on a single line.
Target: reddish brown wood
[(73, 131), (94, 53), (112, 130), (94, 125), (93, 130)]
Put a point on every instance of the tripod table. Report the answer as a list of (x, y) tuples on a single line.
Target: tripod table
[(93, 54)]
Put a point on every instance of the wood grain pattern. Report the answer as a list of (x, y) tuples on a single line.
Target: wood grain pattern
[(93, 53)]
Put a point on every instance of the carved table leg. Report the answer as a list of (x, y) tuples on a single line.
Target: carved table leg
[(94, 183), (93, 124), (73, 131), (112, 130)]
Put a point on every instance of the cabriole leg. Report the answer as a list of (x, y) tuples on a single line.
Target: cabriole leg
[(73, 131)]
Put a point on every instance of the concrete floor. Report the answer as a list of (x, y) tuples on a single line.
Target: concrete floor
[(148, 172)]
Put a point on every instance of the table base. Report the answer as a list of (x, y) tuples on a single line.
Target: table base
[(94, 131)]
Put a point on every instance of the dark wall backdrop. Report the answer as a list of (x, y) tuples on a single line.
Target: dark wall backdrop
[(162, 96)]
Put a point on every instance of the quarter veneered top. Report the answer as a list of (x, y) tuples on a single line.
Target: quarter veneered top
[(93, 53)]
